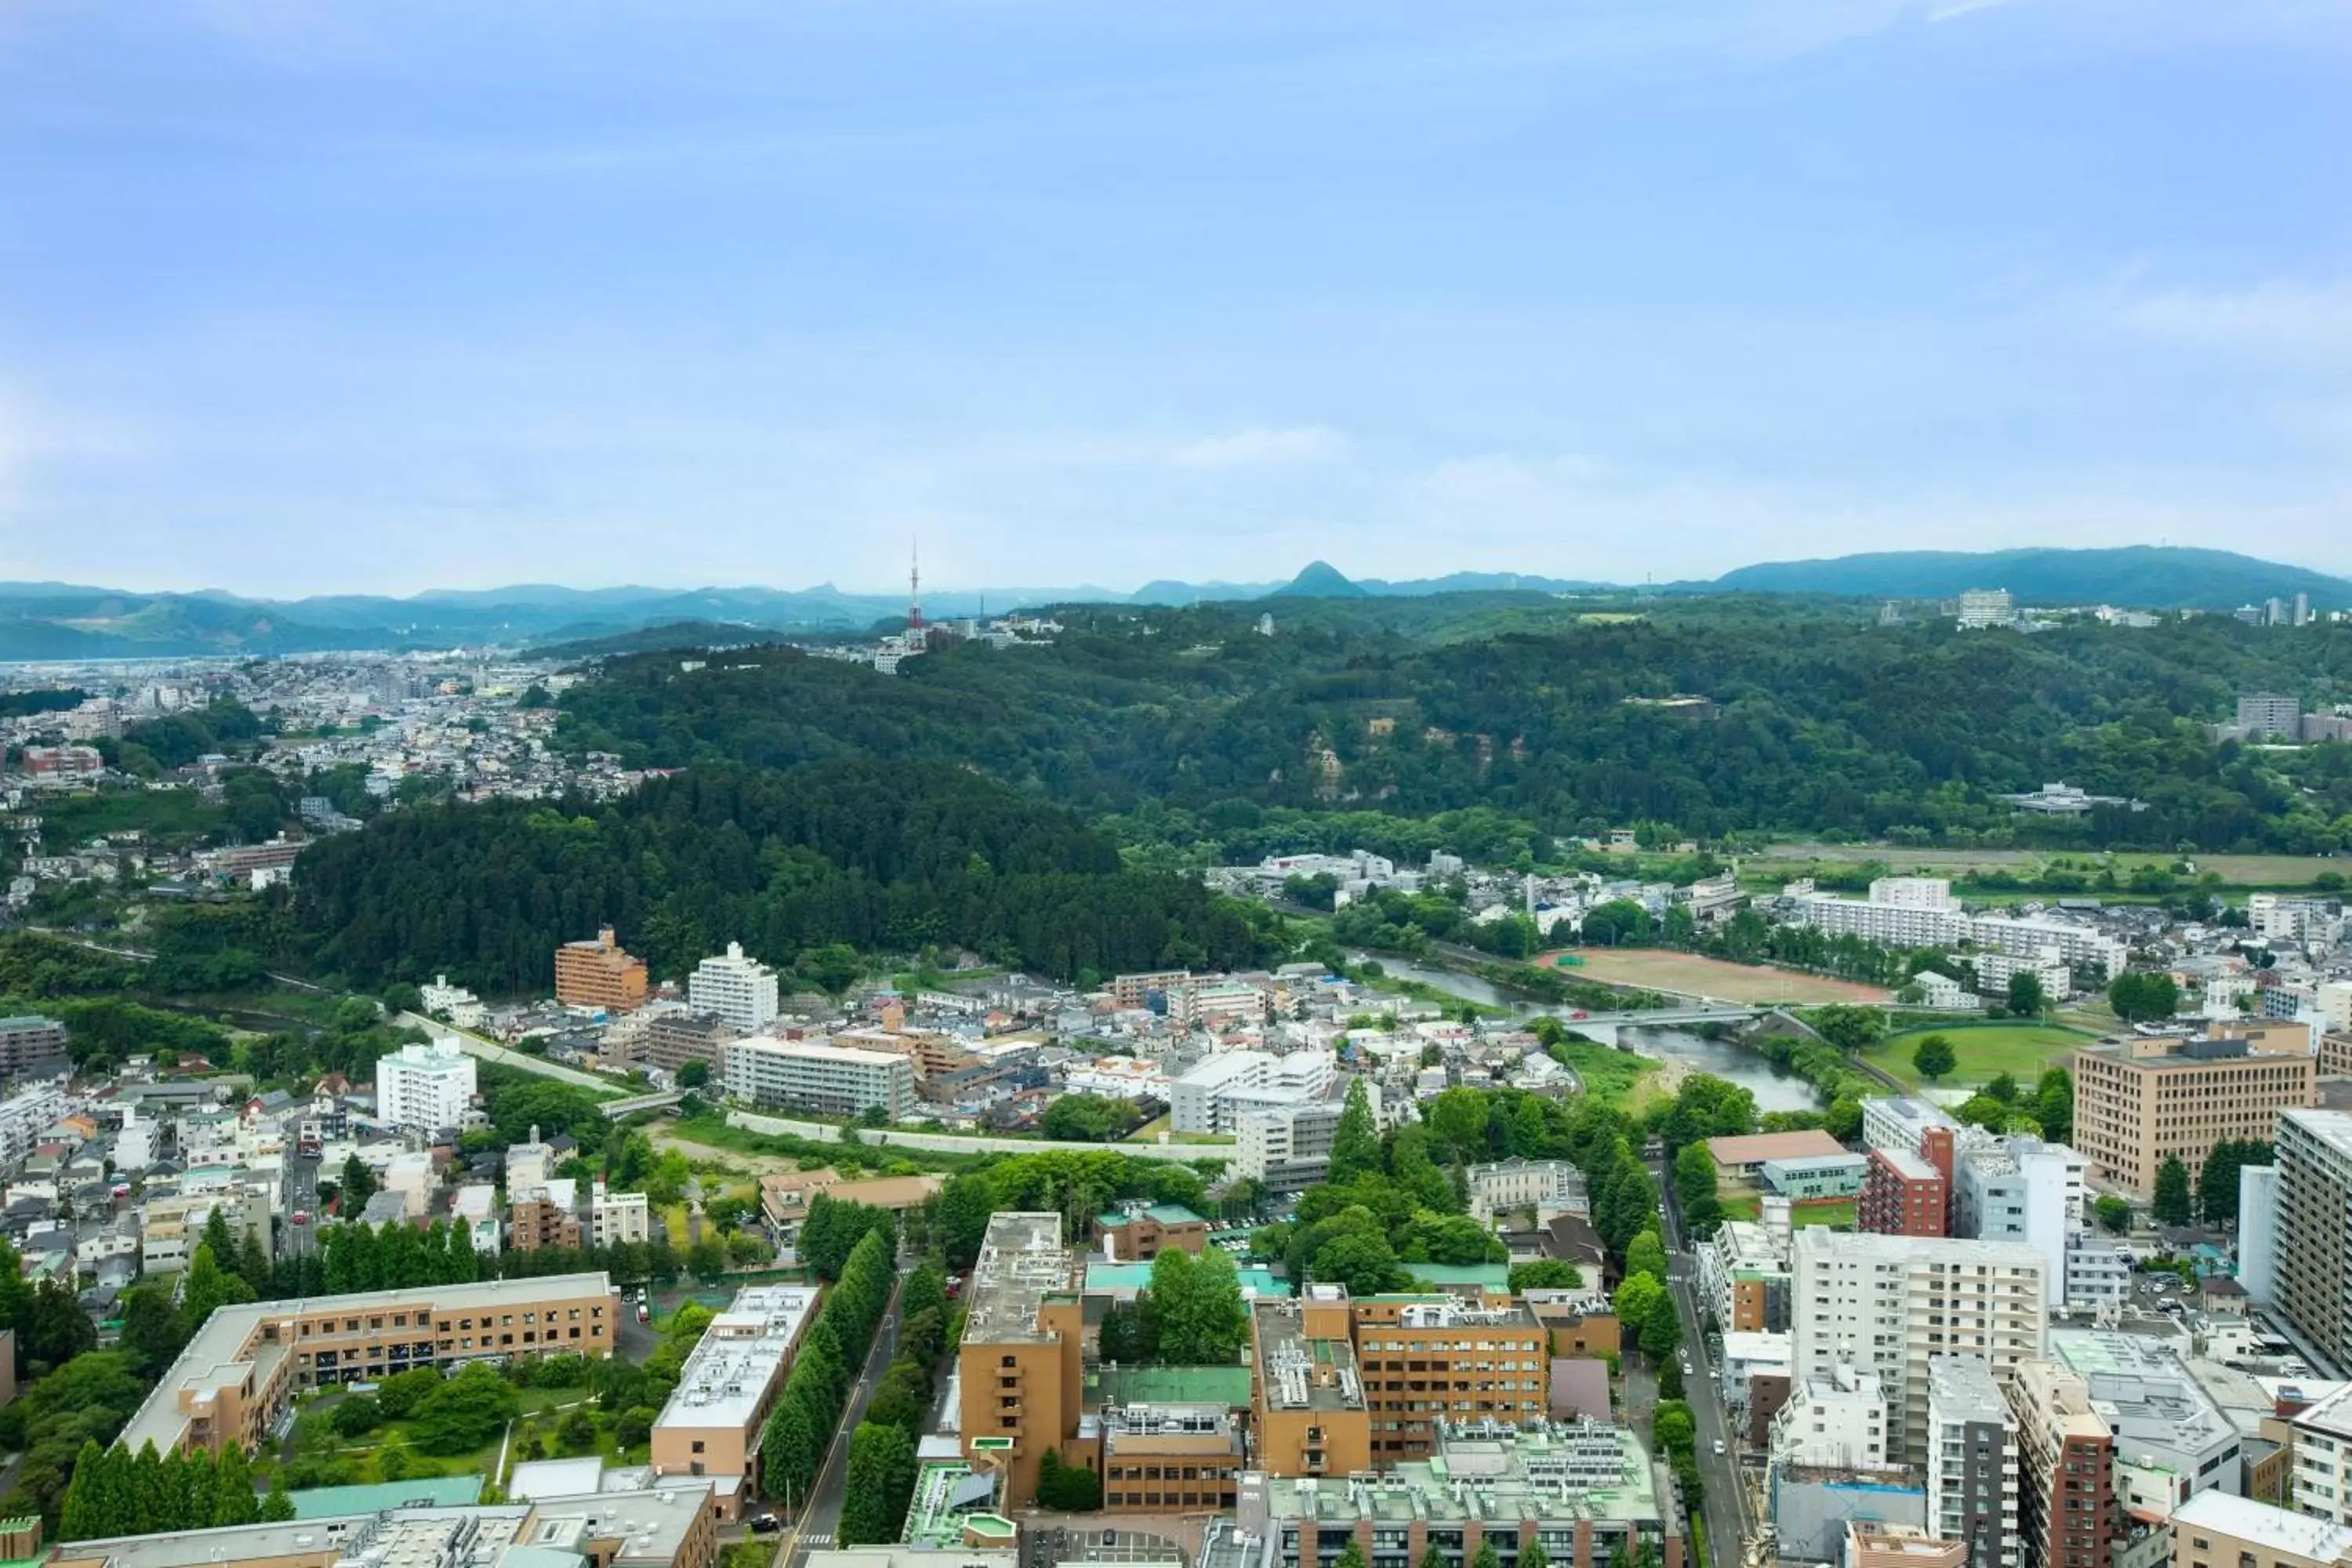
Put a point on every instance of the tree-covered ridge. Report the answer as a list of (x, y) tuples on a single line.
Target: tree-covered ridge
[(1821, 720), (852, 851)]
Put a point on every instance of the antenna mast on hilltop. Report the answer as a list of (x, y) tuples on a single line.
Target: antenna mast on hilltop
[(914, 588)]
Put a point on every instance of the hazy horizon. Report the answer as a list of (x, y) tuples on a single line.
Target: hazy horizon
[(382, 299)]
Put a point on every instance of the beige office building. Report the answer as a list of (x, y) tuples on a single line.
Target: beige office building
[(2139, 1102), (711, 1425)]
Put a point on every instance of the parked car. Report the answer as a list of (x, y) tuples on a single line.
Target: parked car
[(1719, 1448), (765, 1524)]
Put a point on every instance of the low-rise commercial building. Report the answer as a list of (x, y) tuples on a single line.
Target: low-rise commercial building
[(1539, 1185), (1142, 1232)]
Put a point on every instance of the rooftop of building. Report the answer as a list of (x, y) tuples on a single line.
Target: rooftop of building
[(1559, 1474), (2276, 1528), (1162, 1214), (949, 1496), (1121, 1278), (1108, 1386), (1206, 1430), (1296, 1373), (1759, 1146), (2333, 1128), (425, 1491), (743, 1352), (419, 1536), (2331, 1415), (2142, 1390), (818, 1050), (1961, 1388), (1820, 1241), (1907, 1165), (1022, 1262), (213, 1358)]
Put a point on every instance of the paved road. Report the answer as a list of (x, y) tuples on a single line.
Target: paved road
[(820, 1521), (473, 1044), (302, 1198), (1725, 1505), (972, 1143)]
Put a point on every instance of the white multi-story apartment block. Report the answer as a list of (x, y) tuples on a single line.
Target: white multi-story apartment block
[(1971, 1461), (1215, 1093), (1982, 608), (2093, 957), (1288, 1147), (2311, 1245), (425, 1088), (807, 1074), (24, 1117), (2021, 1189), (1895, 1124), (1911, 916), (739, 989), (1890, 1304), (1835, 1419), (2048, 965), (454, 1002), (2321, 1478)]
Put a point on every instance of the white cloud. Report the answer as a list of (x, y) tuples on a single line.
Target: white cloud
[(2282, 319), (1258, 448)]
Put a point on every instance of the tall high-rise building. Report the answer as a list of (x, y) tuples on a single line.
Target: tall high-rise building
[(1971, 1461), (2311, 1242), (739, 989), (1890, 1304), (2066, 1513)]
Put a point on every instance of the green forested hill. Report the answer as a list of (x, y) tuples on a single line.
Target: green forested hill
[(879, 856), (1817, 720)]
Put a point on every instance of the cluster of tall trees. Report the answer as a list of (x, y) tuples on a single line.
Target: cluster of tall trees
[(51, 1327), (115, 1492), (881, 1481), (1822, 721), (1190, 1315), (847, 852), (816, 1390), (2144, 995), (832, 1227), (2217, 1180)]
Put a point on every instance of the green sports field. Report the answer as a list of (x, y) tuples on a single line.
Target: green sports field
[(1985, 1051)]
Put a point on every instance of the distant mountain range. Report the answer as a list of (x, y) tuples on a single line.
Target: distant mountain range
[(51, 621)]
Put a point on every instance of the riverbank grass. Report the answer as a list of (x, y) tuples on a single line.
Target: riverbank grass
[(1985, 1051)]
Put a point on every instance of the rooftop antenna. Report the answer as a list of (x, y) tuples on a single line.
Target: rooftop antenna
[(914, 586)]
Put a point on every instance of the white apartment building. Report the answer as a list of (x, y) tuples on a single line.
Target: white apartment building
[(1912, 924), (530, 1166), (2092, 957), (1216, 1092), (2047, 964), (2021, 1189), (1914, 893), (1895, 1124), (1890, 1304), (1288, 1148), (410, 1176), (1982, 608), (2322, 1481), (24, 1117), (1910, 916), (425, 1088), (1971, 1461), (807, 1074), (739, 989), (454, 1002), (2335, 1002), (1835, 1419)]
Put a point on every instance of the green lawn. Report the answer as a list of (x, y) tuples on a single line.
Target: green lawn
[(1611, 1077), (1837, 1212), (1985, 1051)]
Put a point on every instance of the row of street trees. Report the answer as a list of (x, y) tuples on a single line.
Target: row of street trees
[(816, 1390)]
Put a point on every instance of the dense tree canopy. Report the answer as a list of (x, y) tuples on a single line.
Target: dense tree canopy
[(845, 852)]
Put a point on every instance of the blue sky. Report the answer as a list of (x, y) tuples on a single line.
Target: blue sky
[(297, 296)]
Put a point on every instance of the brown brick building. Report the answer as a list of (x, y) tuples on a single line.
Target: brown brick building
[(1902, 1194)]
